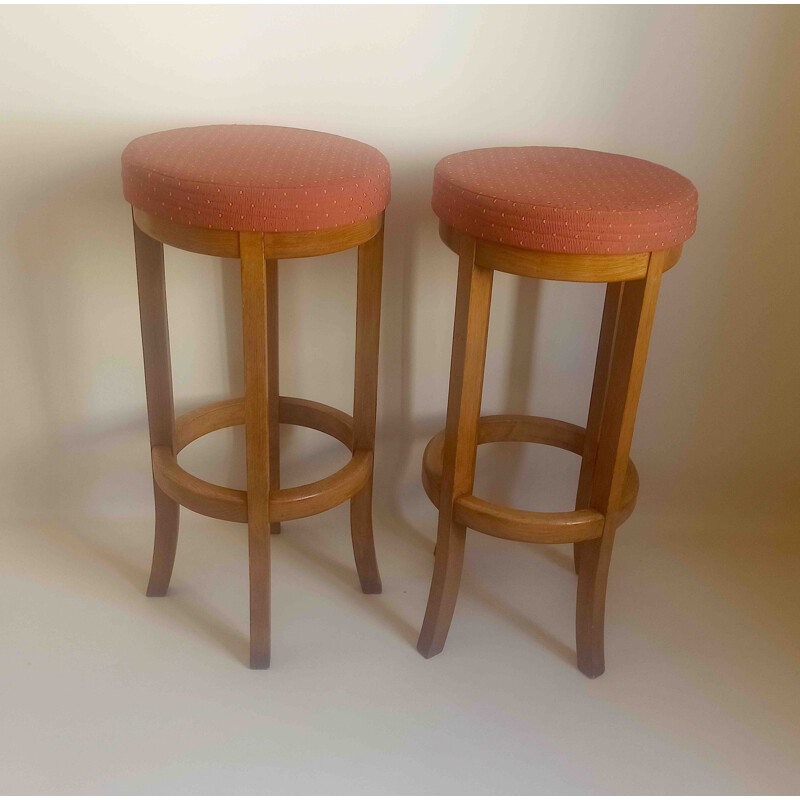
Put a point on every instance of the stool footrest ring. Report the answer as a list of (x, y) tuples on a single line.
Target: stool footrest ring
[(284, 504), (525, 526)]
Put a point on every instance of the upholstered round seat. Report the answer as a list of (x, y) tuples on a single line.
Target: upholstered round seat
[(255, 178), (564, 200)]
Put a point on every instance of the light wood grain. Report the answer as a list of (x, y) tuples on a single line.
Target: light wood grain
[(587, 268), (284, 504), (470, 329), (534, 527), (608, 484), (158, 388), (207, 419), (273, 384), (292, 411), (224, 244), (314, 498), (319, 417), (524, 526), (255, 327), (305, 244), (365, 402), (264, 505), (636, 311), (196, 494), (294, 502), (292, 244), (605, 346), (562, 267)]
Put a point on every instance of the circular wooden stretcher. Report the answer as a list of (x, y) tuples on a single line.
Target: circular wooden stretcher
[(284, 504), (542, 527)]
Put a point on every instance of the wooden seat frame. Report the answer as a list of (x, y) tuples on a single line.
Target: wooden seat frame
[(265, 504), (608, 481)]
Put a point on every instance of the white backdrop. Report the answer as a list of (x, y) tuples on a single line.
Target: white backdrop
[(711, 92), (116, 693)]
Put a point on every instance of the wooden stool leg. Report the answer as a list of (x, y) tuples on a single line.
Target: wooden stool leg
[(608, 330), (629, 354), (368, 323), (258, 431), (158, 387), (470, 330), (273, 383)]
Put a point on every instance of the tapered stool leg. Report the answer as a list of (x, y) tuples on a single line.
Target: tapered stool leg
[(273, 383), (368, 323), (158, 388), (608, 329), (628, 355), (470, 331), (258, 431)]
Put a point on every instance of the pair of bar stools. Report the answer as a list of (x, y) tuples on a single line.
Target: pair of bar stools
[(261, 194)]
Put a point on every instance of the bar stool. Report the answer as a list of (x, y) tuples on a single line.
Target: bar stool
[(559, 214), (260, 194)]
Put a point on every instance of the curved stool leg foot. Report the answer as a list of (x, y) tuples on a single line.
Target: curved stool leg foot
[(590, 618), (165, 545), (444, 589), (363, 542), (470, 330), (259, 601), (626, 361), (158, 387)]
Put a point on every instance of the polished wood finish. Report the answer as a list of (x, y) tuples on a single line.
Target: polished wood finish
[(258, 432), (264, 505), (305, 244), (207, 419), (470, 330), (224, 244), (635, 320), (588, 268), (273, 383), (319, 417), (296, 502), (196, 494), (608, 331), (365, 403), (608, 482), (300, 244), (158, 389), (524, 526), (292, 411)]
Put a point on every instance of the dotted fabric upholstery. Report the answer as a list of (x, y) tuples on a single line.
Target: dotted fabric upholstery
[(564, 200), (255, 178)]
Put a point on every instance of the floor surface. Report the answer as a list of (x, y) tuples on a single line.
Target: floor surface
[(107, 691)]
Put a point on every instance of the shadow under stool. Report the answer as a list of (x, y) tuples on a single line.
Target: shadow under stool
[(258, 194), (562, 214)]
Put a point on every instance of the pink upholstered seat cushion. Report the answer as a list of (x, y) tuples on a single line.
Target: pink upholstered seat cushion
[(255, 178), (565, 200)]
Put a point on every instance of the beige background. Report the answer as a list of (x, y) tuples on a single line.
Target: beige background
[(703, 588)]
